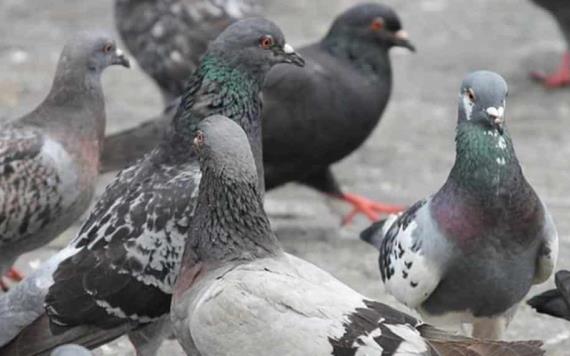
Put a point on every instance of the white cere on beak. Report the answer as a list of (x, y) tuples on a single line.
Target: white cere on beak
[(403, 35), (495, 113), (288, 49), (118, 52)]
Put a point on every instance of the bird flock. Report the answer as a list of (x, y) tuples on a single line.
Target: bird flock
[(179, 244)]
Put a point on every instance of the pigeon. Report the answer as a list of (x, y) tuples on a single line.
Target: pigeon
[(118, 274), (168, 37), (555, 302), (469, 253), (239, 293), (560, 9), (49, 158), (306, 126)]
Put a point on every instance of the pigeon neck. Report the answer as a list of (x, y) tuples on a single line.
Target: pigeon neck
[(76, 90), (369, 59), (486, 195), (486, 163), (73, 87), (229, 222), (219, 88)]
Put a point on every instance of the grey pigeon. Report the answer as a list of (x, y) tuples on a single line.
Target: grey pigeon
[(49, 158), (168, 37), (239, 293), (555, 302), (317, 115), (560, 10), (118, 274), (469, 253), (71, 350)]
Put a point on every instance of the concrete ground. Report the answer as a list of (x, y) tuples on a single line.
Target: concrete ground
[(407, 157)]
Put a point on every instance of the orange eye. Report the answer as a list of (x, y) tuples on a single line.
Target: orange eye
[(471, 94), (108, 48), (199, 138), (377, 24), (266, 42)]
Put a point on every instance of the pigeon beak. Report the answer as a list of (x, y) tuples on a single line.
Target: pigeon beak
[(288, 54), (497, 117), (401, 39), (119, 58)]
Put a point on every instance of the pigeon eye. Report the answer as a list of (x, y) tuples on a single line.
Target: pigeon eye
[(108, 48), (377, 24), (471, 94), (266, 42), (199, 139)]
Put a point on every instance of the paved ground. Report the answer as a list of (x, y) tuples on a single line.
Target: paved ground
[(408, 157)]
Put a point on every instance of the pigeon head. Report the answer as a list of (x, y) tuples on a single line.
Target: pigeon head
[(95, 51), (255, 45), (482, 100), (372, 23), (223, 149)]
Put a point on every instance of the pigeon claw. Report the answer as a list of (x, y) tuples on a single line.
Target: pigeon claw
[(558, 79), (13, 275), (371, 209)]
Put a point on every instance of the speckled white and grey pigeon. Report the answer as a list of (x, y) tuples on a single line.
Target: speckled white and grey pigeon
[(118, 274), (49, 158), (239, 293), (168, 37), (560, 10), (471, 252)]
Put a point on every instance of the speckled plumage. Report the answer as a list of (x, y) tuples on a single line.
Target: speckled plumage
[(470, 253), (238, 293), (49, 159), (168, 37), (126, 257)]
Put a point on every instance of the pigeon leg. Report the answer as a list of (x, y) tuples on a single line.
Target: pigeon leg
[(365, 206), (14, 275), (558, 79)]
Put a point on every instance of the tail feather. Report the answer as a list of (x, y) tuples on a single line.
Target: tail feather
[(562, 280), (39, 338), (454, 345), (126, 147), (554, 302), (375, 233), (551, 303)]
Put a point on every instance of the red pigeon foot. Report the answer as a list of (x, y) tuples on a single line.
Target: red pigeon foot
[(12, 274), (558, 79), (365, 206)]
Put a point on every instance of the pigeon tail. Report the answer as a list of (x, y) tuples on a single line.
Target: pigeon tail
[(554, 302), (39, 338), (374, 234), (124, 148)]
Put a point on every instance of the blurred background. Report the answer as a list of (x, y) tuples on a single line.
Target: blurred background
[(407, 157)]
